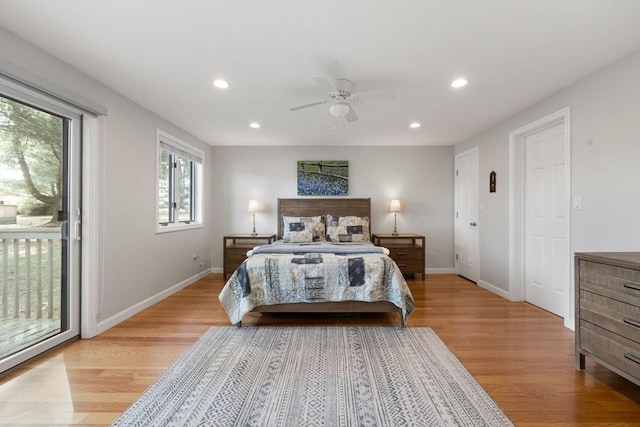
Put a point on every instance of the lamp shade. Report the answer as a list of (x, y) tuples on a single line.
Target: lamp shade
[(253, 206), (394, 206)]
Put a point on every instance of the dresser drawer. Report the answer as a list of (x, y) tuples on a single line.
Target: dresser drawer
[(613, 349), (610, 314), (399, 254), (622, 284)]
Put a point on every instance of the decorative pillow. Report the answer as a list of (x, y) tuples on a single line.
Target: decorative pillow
[(302, 229), (348, 229)]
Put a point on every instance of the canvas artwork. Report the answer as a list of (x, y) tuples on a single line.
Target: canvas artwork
[(323, 178)]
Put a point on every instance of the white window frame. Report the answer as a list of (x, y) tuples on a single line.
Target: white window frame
[(168, 142)]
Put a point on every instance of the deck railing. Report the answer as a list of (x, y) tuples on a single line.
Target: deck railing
[(30, 272)]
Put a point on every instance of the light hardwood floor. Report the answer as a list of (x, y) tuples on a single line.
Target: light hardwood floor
[(520, 354)]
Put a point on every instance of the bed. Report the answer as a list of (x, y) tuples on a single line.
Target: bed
[(300, 273)]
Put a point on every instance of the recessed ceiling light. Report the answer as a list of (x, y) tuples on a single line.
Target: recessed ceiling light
[(254, 125), (459, 83), (220, 84), (414, 125)]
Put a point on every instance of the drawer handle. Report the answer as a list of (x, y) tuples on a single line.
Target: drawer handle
[(402, 253), (402, 265), (632, 357), (632, 286), (632, 322)]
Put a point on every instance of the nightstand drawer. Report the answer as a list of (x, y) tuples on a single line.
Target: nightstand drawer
[(407, 250), (236, 256), (406, 253), (410, 267), (230, 267), (236, 246)]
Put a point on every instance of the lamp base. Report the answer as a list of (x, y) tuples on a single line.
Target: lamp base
[(253, 233), (395, 224)]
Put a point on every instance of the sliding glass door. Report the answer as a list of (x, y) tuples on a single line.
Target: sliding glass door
[(40, 228)]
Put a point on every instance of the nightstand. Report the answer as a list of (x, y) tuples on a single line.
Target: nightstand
[(407, 250), (235, 247)]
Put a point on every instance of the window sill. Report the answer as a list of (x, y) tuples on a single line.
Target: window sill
[(177, 227)]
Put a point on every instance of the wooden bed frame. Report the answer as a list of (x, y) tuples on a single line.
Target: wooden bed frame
[(339, 207)]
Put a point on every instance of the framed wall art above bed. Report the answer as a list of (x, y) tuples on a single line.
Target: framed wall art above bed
[(323, 177)]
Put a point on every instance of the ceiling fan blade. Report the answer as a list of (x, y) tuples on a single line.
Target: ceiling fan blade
[(325, 84), (383, 95), (351, 115), (313, 104)]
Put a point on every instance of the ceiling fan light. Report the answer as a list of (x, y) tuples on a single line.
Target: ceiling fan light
[(339, 109), (459, 83), (220, 84)]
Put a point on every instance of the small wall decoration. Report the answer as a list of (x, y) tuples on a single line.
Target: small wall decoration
[(492, 182), (323, 177)]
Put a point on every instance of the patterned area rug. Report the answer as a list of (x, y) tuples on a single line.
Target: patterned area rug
[(308, 376)]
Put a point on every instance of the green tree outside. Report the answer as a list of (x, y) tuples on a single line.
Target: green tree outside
[(31, 142)]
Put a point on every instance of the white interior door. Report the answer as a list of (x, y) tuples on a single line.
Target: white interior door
[(546, 225), (466, 229)]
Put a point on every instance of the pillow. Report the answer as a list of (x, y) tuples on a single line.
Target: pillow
[(302, 229), (348, 229)]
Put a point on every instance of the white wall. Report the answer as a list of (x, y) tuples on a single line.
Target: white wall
[(605, 167), (137, 264), (421, 177)]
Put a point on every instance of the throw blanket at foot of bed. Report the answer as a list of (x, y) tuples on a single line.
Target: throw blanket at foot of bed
[(284, 278)]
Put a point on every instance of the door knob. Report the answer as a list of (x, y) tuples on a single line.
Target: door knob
[(473, 224)]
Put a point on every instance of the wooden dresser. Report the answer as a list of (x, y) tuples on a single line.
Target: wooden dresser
[(608, 311)]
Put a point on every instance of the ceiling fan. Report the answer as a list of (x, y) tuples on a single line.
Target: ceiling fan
[(340, 92)]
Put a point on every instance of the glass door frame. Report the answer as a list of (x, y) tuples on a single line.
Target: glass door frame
[(71, 228)]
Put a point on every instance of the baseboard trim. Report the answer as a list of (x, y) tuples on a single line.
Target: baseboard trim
[(570, 324), (127, 313), (496, 290), (216, 270), (440, 271)]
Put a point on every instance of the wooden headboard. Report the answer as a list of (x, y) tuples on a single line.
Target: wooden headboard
[(314, 207)]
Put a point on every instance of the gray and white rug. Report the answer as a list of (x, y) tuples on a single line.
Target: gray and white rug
[(315, 376)]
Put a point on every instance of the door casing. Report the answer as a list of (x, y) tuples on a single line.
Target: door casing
[(517, 206)]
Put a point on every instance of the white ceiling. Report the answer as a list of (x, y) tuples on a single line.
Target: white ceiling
[(164, 55)]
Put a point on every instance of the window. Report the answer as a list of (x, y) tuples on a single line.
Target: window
[(179, 184)]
